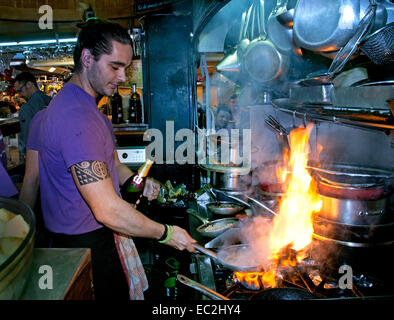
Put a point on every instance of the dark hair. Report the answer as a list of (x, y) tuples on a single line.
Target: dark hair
[(234, 96), (225, 109), (26, 77), (97, 35)]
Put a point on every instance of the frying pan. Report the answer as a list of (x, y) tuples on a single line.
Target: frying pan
[(227, 257), (213, 228), (224, 208)]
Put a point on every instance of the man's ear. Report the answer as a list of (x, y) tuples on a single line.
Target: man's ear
[(86, 58)]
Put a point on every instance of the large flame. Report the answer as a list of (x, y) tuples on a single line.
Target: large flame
[(293, 224), (292, 227)]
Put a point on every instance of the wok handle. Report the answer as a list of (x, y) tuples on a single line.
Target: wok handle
[(205, 251), (263, 205), (195, 214), (199, 287)]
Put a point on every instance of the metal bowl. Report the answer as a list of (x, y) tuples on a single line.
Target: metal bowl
[(14, 271)]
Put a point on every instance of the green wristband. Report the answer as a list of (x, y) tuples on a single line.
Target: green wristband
[(169, 234)]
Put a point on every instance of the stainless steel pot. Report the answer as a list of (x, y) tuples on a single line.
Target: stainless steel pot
[(356, 212), (322, 25), (227, 178), (227, 181)]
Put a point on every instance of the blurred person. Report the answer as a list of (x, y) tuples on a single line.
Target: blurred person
[(223, 117), (7, 187), (26, 86)]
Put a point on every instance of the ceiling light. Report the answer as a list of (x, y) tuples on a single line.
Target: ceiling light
[(4, 44), (52, 69)]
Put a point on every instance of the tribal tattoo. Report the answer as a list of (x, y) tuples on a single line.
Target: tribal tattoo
[(90, 171)]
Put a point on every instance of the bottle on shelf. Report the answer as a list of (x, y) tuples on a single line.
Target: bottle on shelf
[(135, 108), (133, 187), (117, 109)]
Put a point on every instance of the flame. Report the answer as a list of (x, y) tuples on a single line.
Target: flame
[(292, 227), (293, 224)]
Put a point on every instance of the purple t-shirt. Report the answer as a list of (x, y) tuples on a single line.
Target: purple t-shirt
[(69, 131)]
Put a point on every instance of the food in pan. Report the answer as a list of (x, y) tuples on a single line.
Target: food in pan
[(217, 227), (225, 205)]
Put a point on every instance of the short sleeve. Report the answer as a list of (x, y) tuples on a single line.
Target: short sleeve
[(82, 139), (34, 132)]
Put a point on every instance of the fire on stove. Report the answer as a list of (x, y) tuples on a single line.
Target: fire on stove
[(288, 253), (292, 228)]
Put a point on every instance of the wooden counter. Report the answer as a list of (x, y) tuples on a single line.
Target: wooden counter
[(71, 271)]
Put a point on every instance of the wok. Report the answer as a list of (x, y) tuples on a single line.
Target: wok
[(227, 257), (284, 294), (268, 294), (213, 228)]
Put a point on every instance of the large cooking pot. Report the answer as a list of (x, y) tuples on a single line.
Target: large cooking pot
[(227, 178), (322, 25), (350, 181), (356, 212)]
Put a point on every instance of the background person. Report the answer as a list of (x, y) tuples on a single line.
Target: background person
[(26, 86)]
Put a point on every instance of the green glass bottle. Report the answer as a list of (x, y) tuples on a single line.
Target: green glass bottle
[(133, 187)]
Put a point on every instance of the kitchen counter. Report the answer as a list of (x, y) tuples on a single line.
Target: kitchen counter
[(69, 269)]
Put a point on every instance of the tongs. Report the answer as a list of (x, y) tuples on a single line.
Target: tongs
[(281, 133)]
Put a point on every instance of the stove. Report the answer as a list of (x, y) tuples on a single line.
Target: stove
[(324, 280)]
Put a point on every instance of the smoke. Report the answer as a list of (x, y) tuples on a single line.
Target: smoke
[(255, 234)]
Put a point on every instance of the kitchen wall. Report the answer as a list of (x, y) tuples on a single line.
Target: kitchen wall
[(340, 143)]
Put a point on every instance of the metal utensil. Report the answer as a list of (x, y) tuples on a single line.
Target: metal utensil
[(259, 203), (379, 46), (351, 46), (281, 134), (199, 287)]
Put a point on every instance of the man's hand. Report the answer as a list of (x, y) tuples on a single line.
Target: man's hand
[(181, 240), (151, 189)]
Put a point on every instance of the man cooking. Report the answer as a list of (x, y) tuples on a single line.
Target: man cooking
[(80, 172)]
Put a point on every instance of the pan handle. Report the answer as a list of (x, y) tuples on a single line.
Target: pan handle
[(263, 205), (205, 251), (199, 287), (195, 214)]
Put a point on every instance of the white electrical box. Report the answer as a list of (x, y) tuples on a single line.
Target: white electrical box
[(131, 155)]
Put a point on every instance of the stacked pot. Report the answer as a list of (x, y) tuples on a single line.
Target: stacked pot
[(356, 223)]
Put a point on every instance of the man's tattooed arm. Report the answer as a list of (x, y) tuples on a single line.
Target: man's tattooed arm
[(87, 172)]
